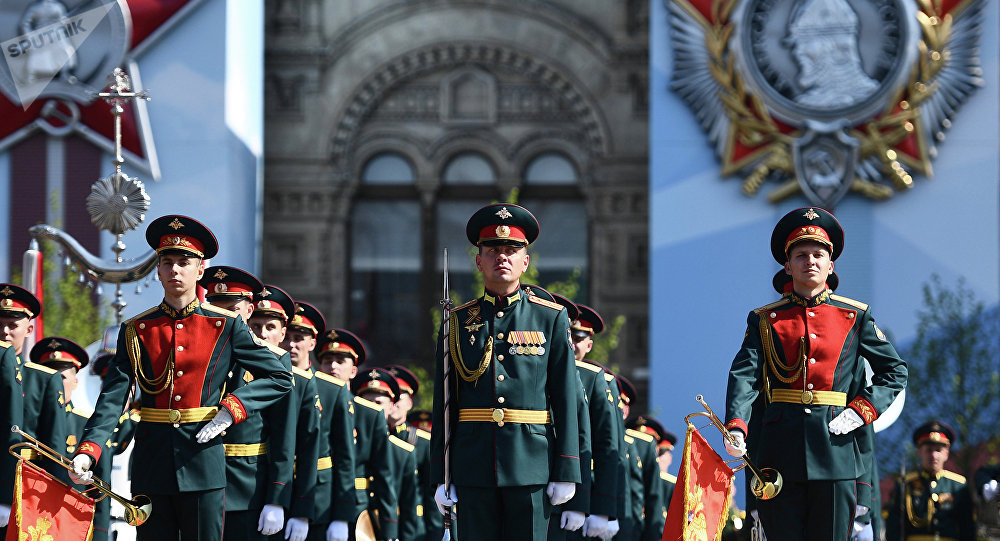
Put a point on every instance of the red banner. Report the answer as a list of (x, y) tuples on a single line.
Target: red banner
[(700, 504), (45, 509)]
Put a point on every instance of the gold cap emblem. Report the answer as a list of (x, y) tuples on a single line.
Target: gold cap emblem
[(6, 303), (176, 224), (503, 213), (220, 274), (332, 335), (6, 291), (221, 288), (810, 214), (503, 231), (373, 374), (265, 293), (53, 344), (264, 304)]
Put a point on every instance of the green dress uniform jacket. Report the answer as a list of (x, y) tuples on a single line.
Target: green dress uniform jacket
[(823, 340), (375, 490), (193, 351), (605, 434), (647, 512), (515, 356), (335, 498), (11, 414), (306, 403), (623, 499), (260, 451), (426, 508), (45, 412), (933, 507), (411, 524)]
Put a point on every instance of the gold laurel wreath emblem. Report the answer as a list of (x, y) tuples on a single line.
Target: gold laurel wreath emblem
[(753, 126)]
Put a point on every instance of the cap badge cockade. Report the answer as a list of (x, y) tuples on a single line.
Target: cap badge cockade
[(503, 231)]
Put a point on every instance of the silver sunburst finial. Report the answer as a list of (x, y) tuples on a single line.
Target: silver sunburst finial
[(117, 203)]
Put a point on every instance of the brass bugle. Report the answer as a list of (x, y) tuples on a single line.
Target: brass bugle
[(766, 482), (137, 510)]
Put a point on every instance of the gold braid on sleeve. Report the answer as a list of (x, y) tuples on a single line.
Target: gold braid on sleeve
[(149, 386), (773, 362), (456, 353)]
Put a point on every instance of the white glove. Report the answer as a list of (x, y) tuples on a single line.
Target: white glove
[(272, 518), (4, 515), (121, 531), (612, 529), (990, 490), (572, 520), (81, 474), (595, 526), (860, 510), (862, 532), (222, 420), (443, 500), (560, 492), (336, 531), (296, 529), (847, 421), (740, 448), (757, 530)]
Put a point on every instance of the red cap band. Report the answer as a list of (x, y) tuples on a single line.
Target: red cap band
[(403, 386), (14, 305), (934, 437), (378, 386), (338, 347), (808, 232), (181, 242), (502, 232), (304, 322), (269, 307), (60, 356), (234, 289)]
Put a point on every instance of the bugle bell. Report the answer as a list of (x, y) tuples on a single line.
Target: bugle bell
[(766, 482), (137, 510)]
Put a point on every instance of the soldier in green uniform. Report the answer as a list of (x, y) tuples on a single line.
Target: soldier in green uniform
[(381, 387), (606, 429), (409, 386), (647, 511), (935, 504), (179, 354), (67, 358), (375, 492), (11, 414), (665, 442), (514, 447), (305, 325), (804, 353), (259, 451), (335, 501), (44, 395)]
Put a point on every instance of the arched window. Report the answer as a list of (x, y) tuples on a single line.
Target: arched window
[(550, 168), (388, 168), (469, 168)]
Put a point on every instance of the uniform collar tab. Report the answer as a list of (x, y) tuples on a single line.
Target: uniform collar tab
[(809, 303), (502, 301), (167, 309)]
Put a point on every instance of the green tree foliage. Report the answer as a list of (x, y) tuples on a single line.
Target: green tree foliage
[(953, 377)]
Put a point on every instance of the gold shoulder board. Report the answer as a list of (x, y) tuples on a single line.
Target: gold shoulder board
[(143, 314), (588, 366), (334, 380), (857, 304), (629, 439), (367, 403), (466, 305), (274, 349), (954, 476), (544, 302), (608, 377), (667, 477), (302, 373), (641, 435), (910, 476), (218, 310), (4, 344), (401, 444), (39, 367), (82, 412), (774, 304), (424, 434)]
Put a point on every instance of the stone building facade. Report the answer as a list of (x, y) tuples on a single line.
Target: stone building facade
[(389, 121)]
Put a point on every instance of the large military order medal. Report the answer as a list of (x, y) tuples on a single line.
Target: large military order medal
[(825, 96)]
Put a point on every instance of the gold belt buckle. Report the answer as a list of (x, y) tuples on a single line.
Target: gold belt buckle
[(174, 416), (498, 416), (807, 397)]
